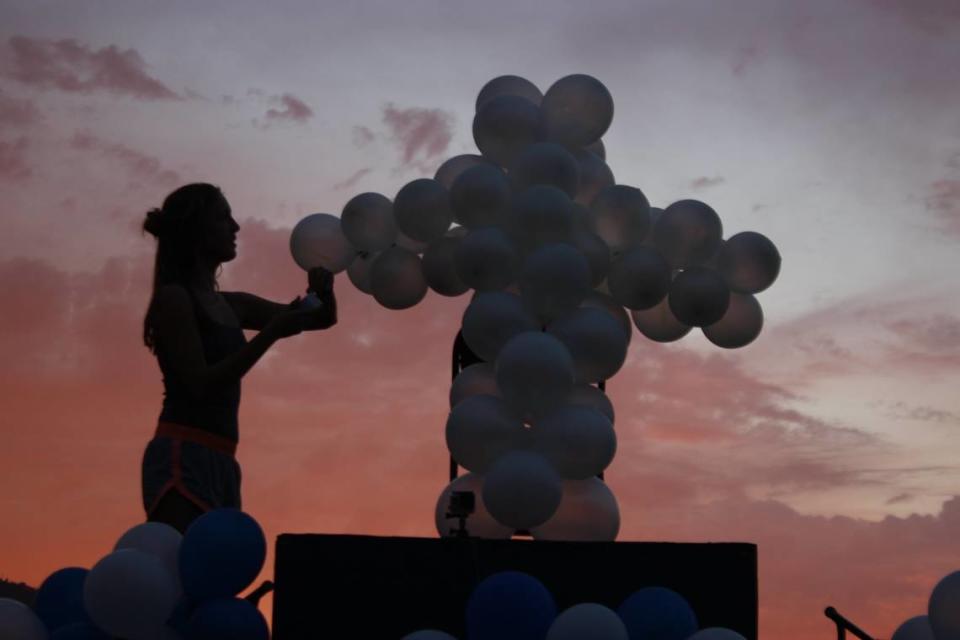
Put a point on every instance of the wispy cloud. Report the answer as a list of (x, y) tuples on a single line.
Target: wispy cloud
[(141, 167), (421, 135)]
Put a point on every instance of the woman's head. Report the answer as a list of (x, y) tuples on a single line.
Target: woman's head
[(195, 233)]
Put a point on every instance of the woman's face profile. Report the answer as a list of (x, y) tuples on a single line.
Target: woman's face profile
[(219, 239)]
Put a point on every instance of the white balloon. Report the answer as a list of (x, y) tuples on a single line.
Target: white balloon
[(428, 634), (492, 319), (522, 490), (480, 429), (318, 241), (534, 372), (578, 441), (477, 379), (916, 628), (595, 340), (129, 593), (480, 524), (486, 259), (554, 279), (716, 633), (18, 621), (397, 279), (367, 222), (944, 608), (158, 539), (591, 396), (588, 620), (587, 513)]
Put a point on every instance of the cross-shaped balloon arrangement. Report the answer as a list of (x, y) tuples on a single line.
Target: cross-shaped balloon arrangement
[(560, 259)]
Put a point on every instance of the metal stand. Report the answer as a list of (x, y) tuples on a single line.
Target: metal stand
[(844, 625)]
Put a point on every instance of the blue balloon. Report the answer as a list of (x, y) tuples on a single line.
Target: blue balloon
[(657, 613), (510, 606), (221, 554), (59, 601), (79, 631), (227, 619), (180, 618)]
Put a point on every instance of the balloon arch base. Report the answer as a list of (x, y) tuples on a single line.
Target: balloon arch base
[(387, 587)]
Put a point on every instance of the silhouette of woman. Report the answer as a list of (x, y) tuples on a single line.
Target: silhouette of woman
[(196, 333)]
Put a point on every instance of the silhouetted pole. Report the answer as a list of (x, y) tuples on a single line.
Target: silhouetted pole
[(844, 625)]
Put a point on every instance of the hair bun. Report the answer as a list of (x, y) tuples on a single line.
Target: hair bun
[(153, 224)]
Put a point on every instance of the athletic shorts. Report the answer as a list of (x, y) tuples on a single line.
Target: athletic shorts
[(197, 464)]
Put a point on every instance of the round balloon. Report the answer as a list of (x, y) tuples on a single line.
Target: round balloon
[(360, 269), (542, 215), (522, 490), (739, 326), (597, 253), (577, 110), (588, 620), (79, 631), (129, 594), (480, 196), (595, 340), (508, 86), (578, 441), (367, 222), (916, 628), (595, 176), (621, 216), (408, 243), (639, 278), (688, 233), (554, 280), (59, 600), (479, 524), (397, 279), (944, 608), (211, 569), (486, 259), (451, 169), (659, 324), (439, 267), (590, 396), (660, 613), (509, 606), (545, 163), (597, 149), (492, 319), (158, 539), (605, 302), (475, 380), (318, 241), (504, 126), (422, 210), (18, 621), (534, 373), (749, 262), (588, 512), (699, 296), (428, 634), (716, 633), (227, 619), (480, 429)]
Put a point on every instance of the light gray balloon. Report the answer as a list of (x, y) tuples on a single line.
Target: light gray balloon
[(590, 396), (451, 168), (588, 512), (577, 110), (522, 490), (480, 197), (534, 373), (492, 319), (739, 326), (545, 163), (480, 429), (508, 86), (397, 279), (688, 233), (477, 379), (749, 262), (621, 216), (480, 524), (17, 620), (639, 278), (486, 259), (588, 620), (554, 279), (367, 222), (318, 241), (578, 441), (916, 628), (439, 268), (157, 539), (542, 215), (422, 210), (360, 270), (659, 324), (595, 176), (595, 340), (504, 126)]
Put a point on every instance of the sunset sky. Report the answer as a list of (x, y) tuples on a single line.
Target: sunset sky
[(831, 126)]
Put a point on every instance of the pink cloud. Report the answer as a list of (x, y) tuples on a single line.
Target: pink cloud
[(16, 112), (703, 182), (362, 136), (352, 180), (932, 16), (944, 201), (70, 66), (142, 167), (294, 110), (420, 134), (13, 160)]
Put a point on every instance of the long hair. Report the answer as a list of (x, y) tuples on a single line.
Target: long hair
[(177, 226)]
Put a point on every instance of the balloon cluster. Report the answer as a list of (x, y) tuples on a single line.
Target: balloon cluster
[(512, 605), (942, 621), (154, 585), (559, 258)]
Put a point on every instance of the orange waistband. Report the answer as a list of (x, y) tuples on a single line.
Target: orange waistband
[(195, 435)]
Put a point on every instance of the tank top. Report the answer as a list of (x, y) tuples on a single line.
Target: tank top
[(216, 410)]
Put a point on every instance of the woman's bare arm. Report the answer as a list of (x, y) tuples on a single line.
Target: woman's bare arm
[(252, 311)]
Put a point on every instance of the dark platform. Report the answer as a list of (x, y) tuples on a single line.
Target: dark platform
[(387, 587)]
